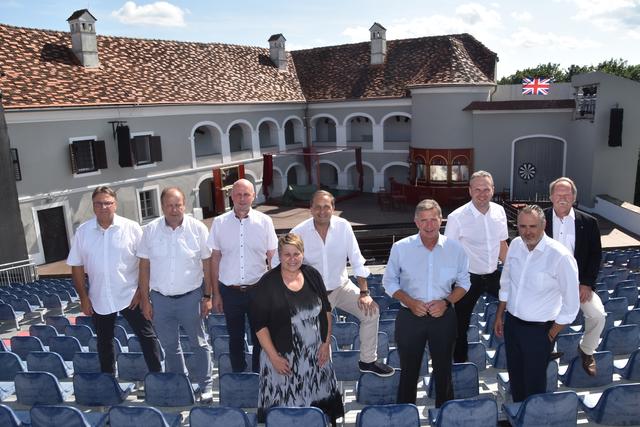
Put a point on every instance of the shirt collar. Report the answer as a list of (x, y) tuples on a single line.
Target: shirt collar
[(249, 214), (542, 244), (441, 239), (476, 213), (117, 222), (167, 227), (571, 215)]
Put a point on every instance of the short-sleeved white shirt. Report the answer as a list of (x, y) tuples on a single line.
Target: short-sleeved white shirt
[(109, 259), (244, 244), (480, 234), (175, 256)]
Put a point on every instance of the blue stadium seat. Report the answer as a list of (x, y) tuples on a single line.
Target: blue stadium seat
[(57, 321), (345, 364), (567, 343), (623, 339), (99, 389), (575, 377), (464, 378), (44, 332), (482, 412), (374, 390), (48, 361), (629, 292), (396, 415), (389, 315), (137, 416), (11, 418), (499, 357), (629, 369), (40, 388), (54, 304), (65, 346), (632, 317), (63, 415), (617, 307), (9, 315), (131, 366), (477, 354), (294, 417), (82, 332), (552, 381), (394, 361), (86, 321), (120, 333), (618, 405), (239, 389), (10, 365), (388, 326), (117, 347), (473, 334), (559, 409), (87, 362), (208, 416), (224, 363), (168, 389), (29, 311), (22, 345), (604, 295), (345, 333), (383, 344)]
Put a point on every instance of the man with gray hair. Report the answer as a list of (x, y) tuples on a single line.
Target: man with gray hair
[(481, 228), (579, 232), (539, 291), (428, 273)]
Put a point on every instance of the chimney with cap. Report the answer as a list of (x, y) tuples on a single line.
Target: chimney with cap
[(277, 53), (83, 37), (378, 43)]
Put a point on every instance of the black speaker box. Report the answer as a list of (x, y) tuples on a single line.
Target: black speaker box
[(615, 127)]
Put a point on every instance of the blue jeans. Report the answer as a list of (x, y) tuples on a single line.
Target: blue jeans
[(236, 310)]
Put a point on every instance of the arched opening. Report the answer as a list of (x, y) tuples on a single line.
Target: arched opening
[(239, 138), (324, 130), (207, 198), (268, 134), (537, 161), (359, 129), (367, 178), (293, 132), (400, 173), (207, 141), (397, 132), (328, 175)]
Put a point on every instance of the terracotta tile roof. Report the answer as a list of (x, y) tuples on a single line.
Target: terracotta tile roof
[(521, 105), (344, 72), (41, 70)]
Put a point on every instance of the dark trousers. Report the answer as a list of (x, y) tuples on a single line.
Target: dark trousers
[(236, 309), (528, 349), (141, 327), (412, 335), (489, 283)]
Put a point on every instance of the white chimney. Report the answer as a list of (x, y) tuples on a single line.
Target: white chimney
[(83, 37), (378, 43), (277, 53)]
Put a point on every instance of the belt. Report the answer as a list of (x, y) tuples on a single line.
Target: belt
[(176, 296), (484, 276), (530, 323), (240, 288)]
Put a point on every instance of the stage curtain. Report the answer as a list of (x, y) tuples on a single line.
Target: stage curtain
[(359, 167), (267, 174)]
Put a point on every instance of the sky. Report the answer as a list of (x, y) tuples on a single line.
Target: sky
[(523, 34)]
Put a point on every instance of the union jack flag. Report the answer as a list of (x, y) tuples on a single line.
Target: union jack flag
[(535, 86)]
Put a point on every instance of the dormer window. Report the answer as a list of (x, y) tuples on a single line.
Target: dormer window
[(586, 102)]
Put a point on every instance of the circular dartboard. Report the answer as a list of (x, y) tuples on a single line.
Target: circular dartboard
[(527, 171)]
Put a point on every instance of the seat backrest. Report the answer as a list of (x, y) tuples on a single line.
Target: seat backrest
[(22, 345), (295, 417), (37, 388), (345, 364), (86, 321), (345, 332), (65, 346), (58, 322), (86, 362), (82, 332), (575, 376), (7, 312), (393, 360), (396, 415), (10, 365), (44, 332), (220, 345), (224, 363), (239, 389), (374, 390), (632, 317), (618, 307), (168, 389), (618, 405), (131, 366), (477, 354), (556, 409), (47, 361), (468, 412), (623, 339), (57, 415), (136, 416), (97, 389), (8, 418), (206, 416)]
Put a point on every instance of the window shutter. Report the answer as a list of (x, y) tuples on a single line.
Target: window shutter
[(156, 148), (72, 156), (125, 155), (100, 154), (15, 160)]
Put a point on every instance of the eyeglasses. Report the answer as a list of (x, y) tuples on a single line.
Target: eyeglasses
[(103, 204)]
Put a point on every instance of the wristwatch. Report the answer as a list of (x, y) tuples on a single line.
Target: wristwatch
[(206, 296), (365, 293), (447, 302)]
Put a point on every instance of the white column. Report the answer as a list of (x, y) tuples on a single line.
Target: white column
[(281, 140), (343, 181), (225, 149), (341, 136), (192, 144), (378, 181), (378, 137), (255, 144)]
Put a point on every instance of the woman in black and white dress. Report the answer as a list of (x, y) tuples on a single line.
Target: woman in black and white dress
[(292, 318)]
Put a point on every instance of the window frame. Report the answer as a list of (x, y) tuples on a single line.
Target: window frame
[(93, 139), (155, 199), (136, 164)]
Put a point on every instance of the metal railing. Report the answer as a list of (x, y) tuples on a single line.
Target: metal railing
[(24, 271)]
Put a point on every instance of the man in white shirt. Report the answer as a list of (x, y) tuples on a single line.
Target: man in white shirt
[(243, 242), (481, 227), (174, 263), (539, 290), (427, 273), (579, 232), (328, 243), (105, 248)]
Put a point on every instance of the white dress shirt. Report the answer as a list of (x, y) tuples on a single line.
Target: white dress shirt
[(564, 230), (329, 257), (244, 244), (542, 284), (480, 234), (175, 256), (109, 259), (424, 274)]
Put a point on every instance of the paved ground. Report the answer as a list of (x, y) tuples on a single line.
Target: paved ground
[(364, 210)]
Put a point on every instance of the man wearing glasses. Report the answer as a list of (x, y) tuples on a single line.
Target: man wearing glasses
[(104, 248)]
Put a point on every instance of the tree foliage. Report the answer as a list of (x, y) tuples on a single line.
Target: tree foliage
[(616, 67)]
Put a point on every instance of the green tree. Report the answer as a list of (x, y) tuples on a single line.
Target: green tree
[(617, 67)]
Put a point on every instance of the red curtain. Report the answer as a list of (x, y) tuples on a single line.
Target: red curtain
[(267, 174), (359, 167)]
